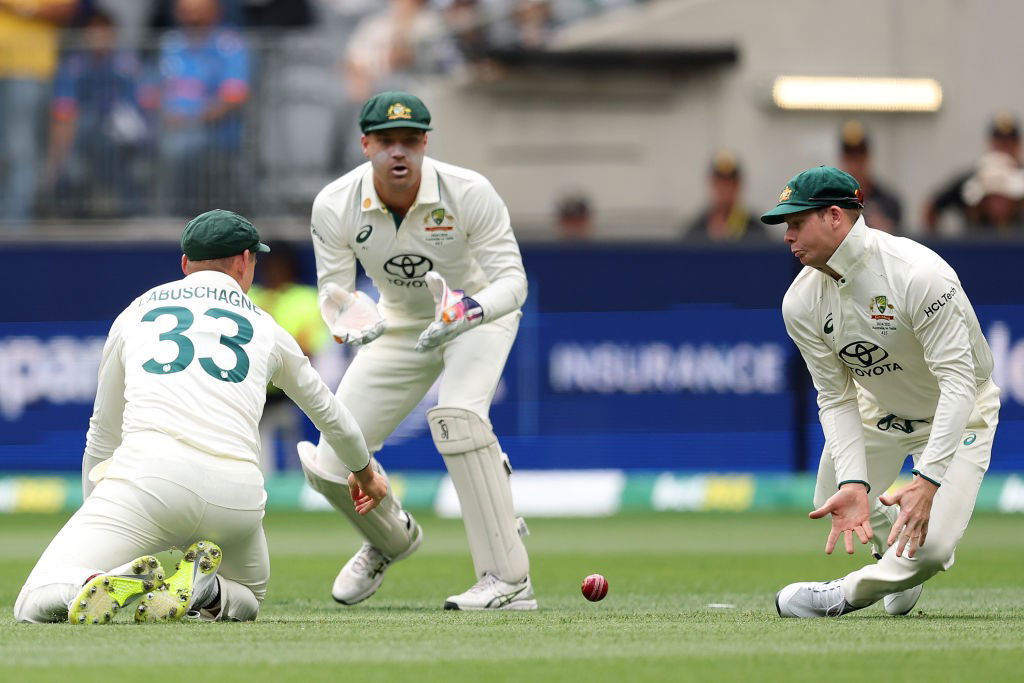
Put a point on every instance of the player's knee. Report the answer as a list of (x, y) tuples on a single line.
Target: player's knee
[(934, 557), (459, 430)]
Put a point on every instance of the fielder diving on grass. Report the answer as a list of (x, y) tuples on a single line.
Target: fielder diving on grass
[(437, 242), (901, 367), (172, 453)]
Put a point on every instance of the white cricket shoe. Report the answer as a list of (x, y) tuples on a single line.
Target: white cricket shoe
[(363, 574), (809, 599), (490, 592), (899, 604)]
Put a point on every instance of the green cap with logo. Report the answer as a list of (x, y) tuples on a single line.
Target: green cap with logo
[(394, 109), (816, 188), (219, 234)]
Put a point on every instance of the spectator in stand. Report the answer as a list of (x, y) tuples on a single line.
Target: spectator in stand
[(205, 76), (468, 25), (575, 219), (28, 59), (388, 48), (882, 207), (528, 27), (993, 196), (726, 218), (97, 127), (1004, 137)]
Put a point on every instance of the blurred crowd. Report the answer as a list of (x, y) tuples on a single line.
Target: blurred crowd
[(986, 199), (130, 108), (122, 108)]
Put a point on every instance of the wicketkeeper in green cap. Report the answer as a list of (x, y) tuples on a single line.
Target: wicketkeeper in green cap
[(437, 241), (901, 366)]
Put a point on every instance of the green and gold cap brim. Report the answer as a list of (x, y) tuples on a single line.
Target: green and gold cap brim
[(397, 124), (779, 213)]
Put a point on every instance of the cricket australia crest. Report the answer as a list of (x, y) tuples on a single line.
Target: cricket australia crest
[(882, 312)]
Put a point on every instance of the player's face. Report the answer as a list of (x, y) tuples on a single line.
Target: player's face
[(811, 236), (396, 155)]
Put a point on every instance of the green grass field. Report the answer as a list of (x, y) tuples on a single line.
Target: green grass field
[(655, 624)]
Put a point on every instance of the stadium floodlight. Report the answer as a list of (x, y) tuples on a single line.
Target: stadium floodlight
[(836, 93)]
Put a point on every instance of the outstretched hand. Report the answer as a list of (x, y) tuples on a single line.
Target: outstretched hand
[(850, 515), (454, 313), (352, 317), (367, 489), (911, 527)]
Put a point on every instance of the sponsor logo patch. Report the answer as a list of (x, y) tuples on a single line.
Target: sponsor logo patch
[(407, 270), (865, 359)]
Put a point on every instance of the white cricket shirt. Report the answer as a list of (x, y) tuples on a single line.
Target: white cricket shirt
[(458, 226), (898, 325), (191, 360)]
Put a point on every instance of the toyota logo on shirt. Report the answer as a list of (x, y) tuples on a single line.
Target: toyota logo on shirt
[(865, 358), (408, 266), (863, 354), (408, 270)]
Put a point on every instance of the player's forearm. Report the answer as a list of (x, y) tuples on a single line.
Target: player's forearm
[(502, 296), (956, 402), (845, 440)]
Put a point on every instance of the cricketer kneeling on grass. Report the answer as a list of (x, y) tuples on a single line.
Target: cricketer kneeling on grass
[(901, 367), (172, 452), (437, 242)]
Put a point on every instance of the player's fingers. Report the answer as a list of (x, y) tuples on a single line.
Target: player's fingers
[(924, 534), (848, 539), (862, 535), (821, 512), (886, 499), (896, 529), (830, 544)]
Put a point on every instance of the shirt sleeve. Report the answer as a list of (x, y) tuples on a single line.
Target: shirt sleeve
[(296, 377), (940, 324), (335, 260), (105, 425), (837, 396), (494, 247)]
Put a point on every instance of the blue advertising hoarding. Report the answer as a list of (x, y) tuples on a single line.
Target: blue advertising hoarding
[(633, 357)]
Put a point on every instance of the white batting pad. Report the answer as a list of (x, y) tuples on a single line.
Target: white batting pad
[(385, 527), (480, 473)]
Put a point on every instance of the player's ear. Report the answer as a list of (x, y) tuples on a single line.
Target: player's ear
[(365, 142), (184, 264)]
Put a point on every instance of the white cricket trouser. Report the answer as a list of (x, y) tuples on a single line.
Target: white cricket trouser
[(157, 495), (388, 377), (887, 446)]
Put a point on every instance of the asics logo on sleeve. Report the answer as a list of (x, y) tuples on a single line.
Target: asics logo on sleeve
[(828, 324)]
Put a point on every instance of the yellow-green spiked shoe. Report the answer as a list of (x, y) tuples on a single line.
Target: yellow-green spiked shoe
[(104, 594), (192, 583)]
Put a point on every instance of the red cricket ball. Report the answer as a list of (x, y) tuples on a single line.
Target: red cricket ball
[(594, 587)]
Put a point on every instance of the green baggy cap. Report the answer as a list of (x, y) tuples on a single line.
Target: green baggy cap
[(816, 188), (394, 109), (218, 234)]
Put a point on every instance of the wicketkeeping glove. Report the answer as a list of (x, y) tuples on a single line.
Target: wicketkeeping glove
[(454, 313), (352, 318)]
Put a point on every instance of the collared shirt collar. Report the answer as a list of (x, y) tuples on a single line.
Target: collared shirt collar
[(851, 253), (213, 277), (429, 192)]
